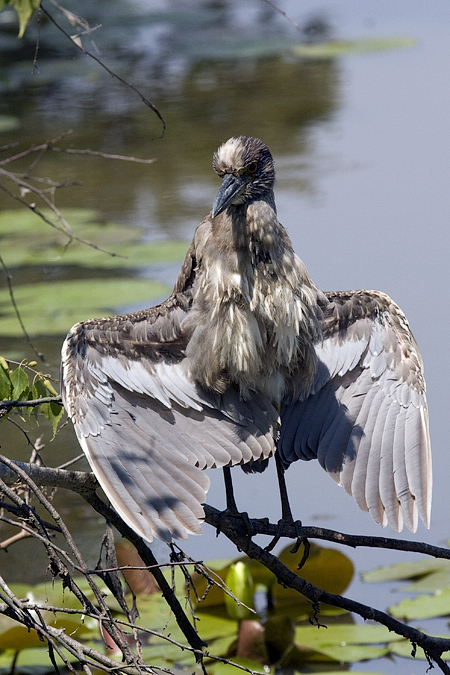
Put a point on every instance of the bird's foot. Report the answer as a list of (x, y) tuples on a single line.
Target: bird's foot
[(280, 527), (234, 513)]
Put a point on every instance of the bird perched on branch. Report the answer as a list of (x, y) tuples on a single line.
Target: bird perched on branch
[(247, 358)]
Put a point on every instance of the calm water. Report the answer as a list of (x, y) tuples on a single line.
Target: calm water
[(362, 152)]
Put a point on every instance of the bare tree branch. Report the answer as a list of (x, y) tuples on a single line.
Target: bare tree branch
[(85, 484), (237, 531), (7, 405), (433, 647)]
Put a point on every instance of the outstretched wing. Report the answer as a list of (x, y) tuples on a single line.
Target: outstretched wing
[(366, 418), (147, 429)]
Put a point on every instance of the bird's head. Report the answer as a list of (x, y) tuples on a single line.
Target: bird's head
[(248, 172)]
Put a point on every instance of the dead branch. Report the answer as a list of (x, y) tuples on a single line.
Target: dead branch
[(237, 531)]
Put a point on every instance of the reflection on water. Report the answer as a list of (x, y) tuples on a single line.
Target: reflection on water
[(206, 96)]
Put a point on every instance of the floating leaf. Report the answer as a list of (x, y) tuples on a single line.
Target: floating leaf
[(7, 122), (405, 570), (51, 309), (44, 245), (336, 48), (212, 626), (423, 607), (349, 633), (345, 642), (405, 648), (17, 637), (326, 568), (226, 669)]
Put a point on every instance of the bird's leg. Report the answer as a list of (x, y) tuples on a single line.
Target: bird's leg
[(231, 502), (286, 512), (232, 509)]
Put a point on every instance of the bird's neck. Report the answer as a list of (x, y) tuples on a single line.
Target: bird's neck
[(253, 314)]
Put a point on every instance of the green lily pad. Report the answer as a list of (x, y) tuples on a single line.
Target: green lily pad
[(334, 48), (45, 245), (8, 123), (226, 669), (423, 607), (326, 568), (16, 637), (405, 570), (405, 648), (214, 626), (32, 661), (430, 575), (355, 634), (51, 309), (345, 642)]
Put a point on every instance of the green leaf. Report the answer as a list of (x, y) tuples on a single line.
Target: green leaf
[(405, 570), (17, 637), (336, 48), (46, 245), (20, 384), (345, 642), (430, 575), (212, 626), (5, 383), (345, 633), (226, 669), (25, 9), (54, 413), (423, 607), (51, 309), (31, 661), (7, 122), (326, 568), (404, 648)]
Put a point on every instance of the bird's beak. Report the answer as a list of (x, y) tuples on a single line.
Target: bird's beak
[(231, 189)]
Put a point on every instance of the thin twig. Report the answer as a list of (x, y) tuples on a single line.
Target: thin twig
[(104, 612), (71, 461), (17, 313), (6, 543), (33, 208), (280, 11), (78, 44), (34, 148), (105, 155), (30, 403)]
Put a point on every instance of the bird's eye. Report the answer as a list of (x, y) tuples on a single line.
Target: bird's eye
[(252, 167)]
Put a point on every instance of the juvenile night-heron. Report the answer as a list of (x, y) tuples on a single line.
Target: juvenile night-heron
[(245, 358)]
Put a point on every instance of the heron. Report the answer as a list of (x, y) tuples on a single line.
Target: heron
[(248, 359)]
